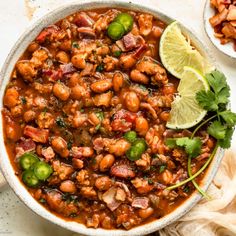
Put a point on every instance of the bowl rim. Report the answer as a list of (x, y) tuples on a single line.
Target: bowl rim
[(210, 34), (17, 50)]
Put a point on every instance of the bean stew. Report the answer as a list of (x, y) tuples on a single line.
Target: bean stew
[(85, 116)]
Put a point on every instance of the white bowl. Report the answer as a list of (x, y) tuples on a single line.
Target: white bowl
[(6, 166), (227, 49)]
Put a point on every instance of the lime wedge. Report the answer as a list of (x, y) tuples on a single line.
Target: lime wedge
[(185, 111), (176, 52)]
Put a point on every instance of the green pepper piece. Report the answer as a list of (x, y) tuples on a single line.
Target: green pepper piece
[(30, 179), (130, 136), (115, 31), (27, 160), (126, 20), (136, 150), (42, 170)]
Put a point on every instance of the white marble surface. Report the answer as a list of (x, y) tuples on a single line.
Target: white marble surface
[(15, 218)]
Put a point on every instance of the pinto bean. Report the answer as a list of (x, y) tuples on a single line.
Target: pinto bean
[(132, 101), (11, 97), (60, 146), (79, 61), (29, 115), (11, 131), (167, 177), (61, 91), (26, 69), (62, 57), (127, 61), (106, 162), (118, 81), (68, 186), (33, 47), (157, 31), (139, 77), (77, 92), (145, 213), (165, 115), (103, 183), (101, 86), (141, 125), (169, 89), (119, 148)]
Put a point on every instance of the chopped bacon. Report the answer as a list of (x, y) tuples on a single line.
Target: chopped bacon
[(122, 171), (25, 145), (48, 153), (83, 20), (54, 75), (109, 198), (127, 115), (139, 51), (47, 32), (129, 41), (121, 125), (37, 135), (140, 202), (218, 18), (229, 31), (67, 69), (86, 33)]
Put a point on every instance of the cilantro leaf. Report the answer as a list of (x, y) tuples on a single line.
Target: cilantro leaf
[(217, 130), (216, 80), (170, 142), (191, 146), (226, 142), (223, 95), (229, 117), (207, 100)]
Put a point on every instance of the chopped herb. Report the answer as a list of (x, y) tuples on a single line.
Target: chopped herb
[(100, 68), (45, 110), (98, 127), (69, 144), (75, 45), (42, 200), (117, 53), (73, 215), (150, 181), (81, 110), (153, 168), (60, 122), (162, 168), (23, 100), (186, 189)]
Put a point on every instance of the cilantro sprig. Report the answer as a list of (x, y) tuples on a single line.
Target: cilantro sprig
[(221, 125)]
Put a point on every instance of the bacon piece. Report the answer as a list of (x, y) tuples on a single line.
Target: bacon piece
[(140, 202), (86, 33), (232, 13), (67, 69), (37, 135), (109, 198), (83, 20), (229, 31), (48, 153), (218, 18), (47, 32), (122, 171), (25, 145), (129, 41), (139, 51)]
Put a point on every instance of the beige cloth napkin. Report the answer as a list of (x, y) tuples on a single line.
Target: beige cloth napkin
[(216, 217)]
